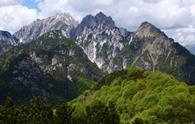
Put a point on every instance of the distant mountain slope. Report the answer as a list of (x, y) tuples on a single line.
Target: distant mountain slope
[(141, 97), (32, 31), (51, 66), (191, 48), (7, 38)]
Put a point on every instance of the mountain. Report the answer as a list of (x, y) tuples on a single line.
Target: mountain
[(30, 32), (140, 97), (7, 41), (51, 66), (7, 38), (60, 59), (151, 49), (100, 39), (191, 48), (113, 48)]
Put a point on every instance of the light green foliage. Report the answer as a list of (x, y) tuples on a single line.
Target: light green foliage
[(143, 96), (132, 96)]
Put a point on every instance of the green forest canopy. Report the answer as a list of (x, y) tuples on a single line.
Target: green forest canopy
[(133, 96)]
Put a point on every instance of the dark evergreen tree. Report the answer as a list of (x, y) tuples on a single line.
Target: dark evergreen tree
[(8, 112), (99, 113), (63, 114), (8, 102), (140, 121), (40, 112), (114, 117)]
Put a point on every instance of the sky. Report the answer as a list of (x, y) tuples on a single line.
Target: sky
[(175, 17)]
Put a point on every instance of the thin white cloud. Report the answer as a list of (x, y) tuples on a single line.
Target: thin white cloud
[(15, 16), (9, 2), (185, 36)]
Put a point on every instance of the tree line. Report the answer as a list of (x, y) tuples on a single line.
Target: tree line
[(40, 112)]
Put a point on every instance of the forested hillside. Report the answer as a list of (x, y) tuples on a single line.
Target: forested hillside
[(133, 96)]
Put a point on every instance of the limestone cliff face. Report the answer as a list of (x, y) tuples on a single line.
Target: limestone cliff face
[(100, 39)]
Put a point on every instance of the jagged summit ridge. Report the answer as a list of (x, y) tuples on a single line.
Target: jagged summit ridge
[(32, 31), (99, 21), (104, 20)]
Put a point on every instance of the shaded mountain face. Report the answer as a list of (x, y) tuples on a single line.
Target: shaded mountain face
[(7, 38), (191, 48), (30, 32), (7, 41), (51, 66)]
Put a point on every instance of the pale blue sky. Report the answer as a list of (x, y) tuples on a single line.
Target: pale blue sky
[(33, 4)]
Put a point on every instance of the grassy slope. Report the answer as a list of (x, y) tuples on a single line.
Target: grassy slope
[(154, 97)]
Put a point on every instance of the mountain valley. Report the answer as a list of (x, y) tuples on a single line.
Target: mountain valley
[(58, 70)]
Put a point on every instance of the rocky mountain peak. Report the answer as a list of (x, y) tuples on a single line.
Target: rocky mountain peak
[(147, 24), (147, 29), (100, 39), (101, 15), (101, 18), (100, 22), (32, 31), (64, 17)]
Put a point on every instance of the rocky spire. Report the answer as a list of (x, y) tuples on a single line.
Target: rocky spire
[(99, 21)]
